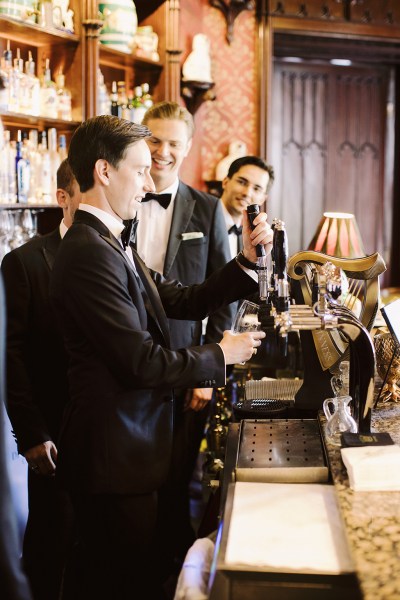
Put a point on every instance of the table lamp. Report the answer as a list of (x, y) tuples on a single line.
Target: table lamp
[(338, 235)]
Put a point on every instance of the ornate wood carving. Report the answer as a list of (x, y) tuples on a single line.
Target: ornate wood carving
[(91, 25), (231, 9), (195, 93)]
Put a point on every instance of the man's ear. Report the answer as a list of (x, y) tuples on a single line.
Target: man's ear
[(62, 198), (224, 182), (101, 170)]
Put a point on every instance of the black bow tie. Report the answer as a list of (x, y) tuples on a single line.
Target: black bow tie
[(235, 229), (163, 199), (128, 234)]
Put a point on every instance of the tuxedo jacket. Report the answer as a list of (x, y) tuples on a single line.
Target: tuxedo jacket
[(192, 260), (36, 359), (117, 432)]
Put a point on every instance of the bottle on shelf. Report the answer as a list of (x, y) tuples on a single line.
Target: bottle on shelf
[(44, 188), (64, 101), (7, 74), (54, 160), (62, 147), (5, 169), (115, 107), (22, 172), (3, 89), (31, 97), (138, 108), (48, 94), (18, 83), (36, 166), (103, 97), (123, 99), (147, 99)]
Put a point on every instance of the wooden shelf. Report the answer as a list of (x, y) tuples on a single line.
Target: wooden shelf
[(25, 32), (20, 120), (22, 206), (110, 57)]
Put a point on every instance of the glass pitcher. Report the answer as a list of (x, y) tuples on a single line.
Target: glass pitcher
[(339, 419)]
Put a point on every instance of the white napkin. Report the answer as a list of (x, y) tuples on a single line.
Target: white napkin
[(193, 578), (373, 468)]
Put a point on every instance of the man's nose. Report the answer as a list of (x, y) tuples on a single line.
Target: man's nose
[(149, 184), (163, 149)]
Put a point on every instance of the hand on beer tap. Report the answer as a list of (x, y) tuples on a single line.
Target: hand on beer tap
[(261, 234)]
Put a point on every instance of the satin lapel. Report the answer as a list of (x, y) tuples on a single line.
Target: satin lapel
[(183, 209), (157, 310), (50, 248), (152, 301)]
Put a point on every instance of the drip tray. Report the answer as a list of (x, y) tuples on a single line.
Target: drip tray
[(281, 451)]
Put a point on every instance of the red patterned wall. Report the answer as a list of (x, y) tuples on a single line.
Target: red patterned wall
[(233, 115)]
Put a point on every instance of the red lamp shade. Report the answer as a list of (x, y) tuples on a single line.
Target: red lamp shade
[(338, 235)]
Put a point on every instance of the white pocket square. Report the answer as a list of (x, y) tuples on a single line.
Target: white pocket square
[(191, 235)]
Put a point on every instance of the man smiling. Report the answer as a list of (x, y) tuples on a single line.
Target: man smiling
[(187, 241)]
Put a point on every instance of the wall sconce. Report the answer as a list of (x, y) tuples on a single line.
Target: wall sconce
[(231, 9), (338, 235)]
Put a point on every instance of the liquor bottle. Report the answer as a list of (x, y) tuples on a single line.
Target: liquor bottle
[(54, 160), (115, 107), (103, 97), (31, 97), (123, 100), (147, 100), (64, 100), (48, 94), (18, 79), (35, 160), (5, 168), (45, 171), (138, 108), (62, 147), (22, 172), (3, 88), (7, 73)]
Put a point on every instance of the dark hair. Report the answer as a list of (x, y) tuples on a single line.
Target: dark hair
[(257, 162), (65, 177), (170, 110), (104, 137)]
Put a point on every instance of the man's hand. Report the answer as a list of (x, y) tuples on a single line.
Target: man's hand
[(198, 398), (239, 347), (42, 458), (261, 234)]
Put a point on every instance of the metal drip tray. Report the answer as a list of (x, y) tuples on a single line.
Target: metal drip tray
[(281, 451)]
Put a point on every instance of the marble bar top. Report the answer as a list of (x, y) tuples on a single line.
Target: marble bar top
[(372, 519)]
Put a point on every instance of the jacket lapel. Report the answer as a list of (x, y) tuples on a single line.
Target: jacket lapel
[(183, 209), (156, 308)]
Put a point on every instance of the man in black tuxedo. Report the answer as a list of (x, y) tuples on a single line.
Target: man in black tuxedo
[(248, 181), (187, 240), (37, 393), (115, 443)]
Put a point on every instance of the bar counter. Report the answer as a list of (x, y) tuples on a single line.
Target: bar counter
[(372, 519)]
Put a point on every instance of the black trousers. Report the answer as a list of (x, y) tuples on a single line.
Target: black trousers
[(120, 557), (49, 537)]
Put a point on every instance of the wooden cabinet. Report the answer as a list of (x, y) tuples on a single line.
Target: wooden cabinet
[(79, 55)]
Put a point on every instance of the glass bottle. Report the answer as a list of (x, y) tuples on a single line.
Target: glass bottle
[(147, 99), (138, 108), (22, 172), (7, 73), (44, 187), (35, 162), (48, 94), (115, 107), (64, 100), (18, 78), (54, 160), (103, 97), (32, 88), (62, 147)]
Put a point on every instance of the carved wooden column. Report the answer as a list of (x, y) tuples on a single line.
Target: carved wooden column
[(265, 71), (172, 67), (91, 31)]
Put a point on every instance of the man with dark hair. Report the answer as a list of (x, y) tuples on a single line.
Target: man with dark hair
[(37, 393), (248, 181), (115, 444), (187, 241)]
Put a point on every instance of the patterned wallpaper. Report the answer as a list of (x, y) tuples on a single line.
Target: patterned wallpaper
[(233, 115)]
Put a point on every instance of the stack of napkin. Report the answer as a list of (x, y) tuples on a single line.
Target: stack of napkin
[(373, 468)]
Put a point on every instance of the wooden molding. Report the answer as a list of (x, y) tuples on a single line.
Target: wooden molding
[(231, 10)]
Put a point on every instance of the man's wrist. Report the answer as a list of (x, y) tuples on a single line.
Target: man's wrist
[(245, 262)]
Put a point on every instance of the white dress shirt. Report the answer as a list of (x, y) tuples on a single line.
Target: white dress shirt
[(233, 238), (153, 230)]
